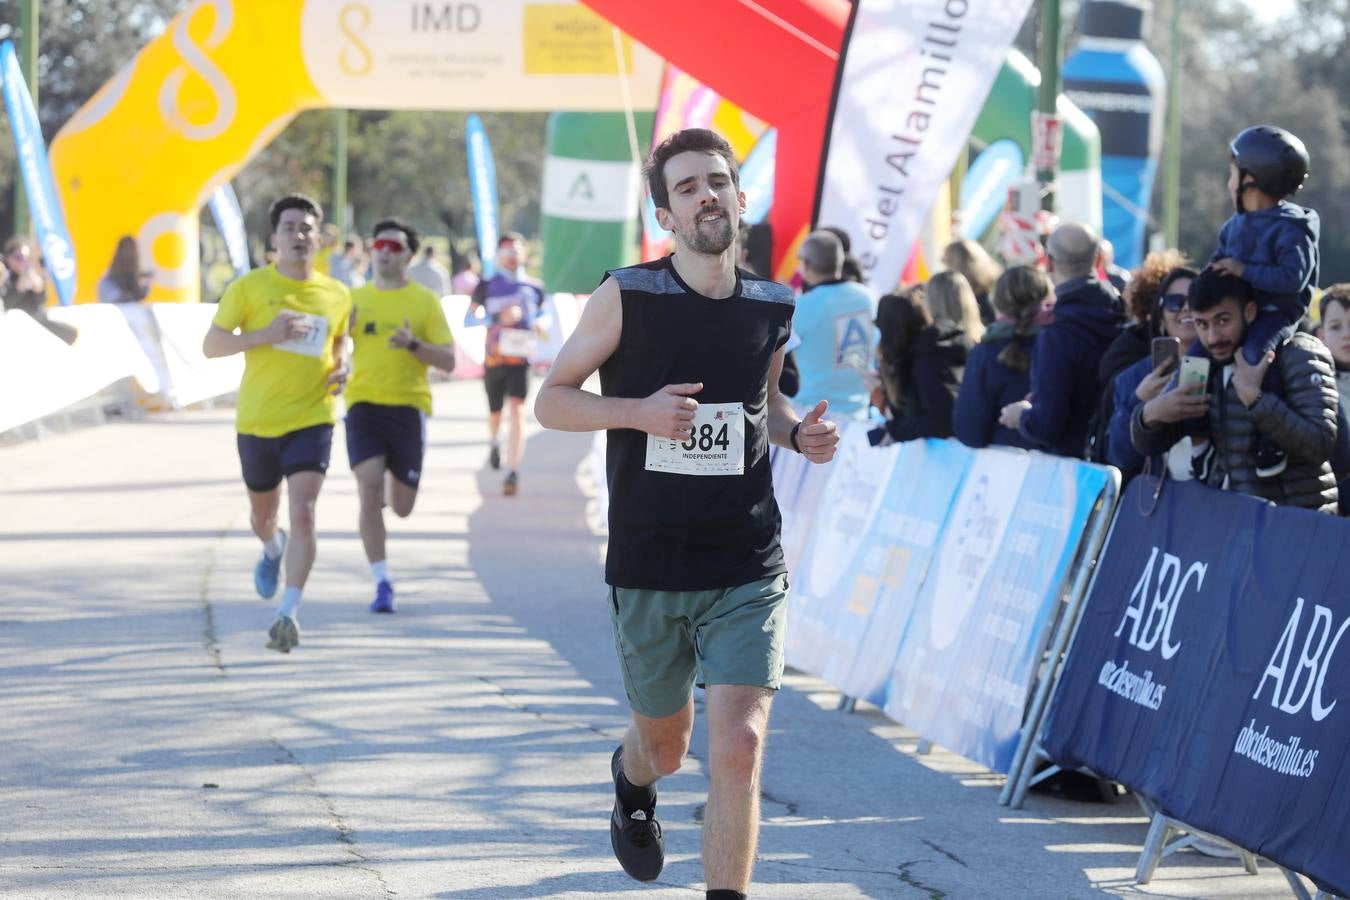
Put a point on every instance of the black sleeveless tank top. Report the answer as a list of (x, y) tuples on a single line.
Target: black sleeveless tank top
[(680, 532)]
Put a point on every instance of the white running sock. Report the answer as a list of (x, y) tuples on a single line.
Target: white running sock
[(380, 570), (290, 599), (275, 546)]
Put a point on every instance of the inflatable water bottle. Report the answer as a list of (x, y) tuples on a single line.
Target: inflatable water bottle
[(1117, 80), (591, 198)]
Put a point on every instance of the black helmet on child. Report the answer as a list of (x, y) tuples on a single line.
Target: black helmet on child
[(1276, 159)]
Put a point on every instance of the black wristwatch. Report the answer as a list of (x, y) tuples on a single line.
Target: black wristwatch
[(792, 437), (413, 345)]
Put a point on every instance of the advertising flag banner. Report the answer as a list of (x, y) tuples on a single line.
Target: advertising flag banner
[(913, 79), (48, 218), (483, 189), (224, 206)]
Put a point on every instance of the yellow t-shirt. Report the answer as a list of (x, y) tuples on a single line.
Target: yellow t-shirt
[(391, 375), (285, 385)]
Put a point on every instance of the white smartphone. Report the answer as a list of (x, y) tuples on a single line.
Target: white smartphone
[(1194, 370)]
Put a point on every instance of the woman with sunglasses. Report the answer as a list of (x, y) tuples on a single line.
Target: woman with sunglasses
[(1141, 381)]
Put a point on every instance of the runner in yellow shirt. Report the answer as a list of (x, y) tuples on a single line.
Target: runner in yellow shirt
[(290, 323), (399, 330)]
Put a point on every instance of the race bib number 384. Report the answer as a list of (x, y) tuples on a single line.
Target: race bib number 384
[(716, 447)]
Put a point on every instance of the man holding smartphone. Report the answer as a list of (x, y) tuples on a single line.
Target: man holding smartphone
[(1302, 421)]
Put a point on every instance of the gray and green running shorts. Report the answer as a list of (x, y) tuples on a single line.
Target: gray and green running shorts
[(668, 639)]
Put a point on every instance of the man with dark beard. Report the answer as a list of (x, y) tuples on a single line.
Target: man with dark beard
[(689, 350)]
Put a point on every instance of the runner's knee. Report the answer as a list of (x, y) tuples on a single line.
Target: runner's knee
[(736, 752)]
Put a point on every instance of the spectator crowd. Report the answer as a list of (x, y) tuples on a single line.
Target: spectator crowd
[(1233, 371)]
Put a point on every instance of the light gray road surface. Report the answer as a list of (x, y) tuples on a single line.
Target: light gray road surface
[(151, 747)]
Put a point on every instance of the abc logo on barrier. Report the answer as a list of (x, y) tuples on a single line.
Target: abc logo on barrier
[(1312, 662), (1152, 622), (983, 510)]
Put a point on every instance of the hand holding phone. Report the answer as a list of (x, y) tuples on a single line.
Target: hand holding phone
[(1194, 371), (1166, 353)]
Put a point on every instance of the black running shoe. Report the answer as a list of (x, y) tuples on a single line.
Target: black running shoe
[(495, 457), (635, 834)]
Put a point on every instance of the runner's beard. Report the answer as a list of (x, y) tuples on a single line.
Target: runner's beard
[(714, 242)]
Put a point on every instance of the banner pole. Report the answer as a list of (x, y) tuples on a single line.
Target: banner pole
[(28, 59), (1052, 50)]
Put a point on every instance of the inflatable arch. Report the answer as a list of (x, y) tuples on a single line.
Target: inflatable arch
[(226, 77)]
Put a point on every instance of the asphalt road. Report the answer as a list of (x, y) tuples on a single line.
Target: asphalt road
[(151, 747)]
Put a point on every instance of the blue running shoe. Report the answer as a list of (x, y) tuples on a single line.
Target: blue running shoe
[(266, 572), (384, 598)]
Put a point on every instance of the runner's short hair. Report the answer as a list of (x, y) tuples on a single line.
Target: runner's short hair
[(302, 202), (697, 139)]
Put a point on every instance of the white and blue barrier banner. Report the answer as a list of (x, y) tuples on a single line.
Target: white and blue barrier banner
[(483, 190), (229, 219), (979, 627), (871, 545), (1211, 673), (925, 576), (45, 204)]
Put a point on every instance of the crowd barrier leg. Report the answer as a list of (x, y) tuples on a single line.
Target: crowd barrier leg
[(1029, 751), (1156, 846), (847, 704), (924, 747), (1301, 892)]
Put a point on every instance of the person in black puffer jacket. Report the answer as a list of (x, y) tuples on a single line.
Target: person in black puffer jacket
[(921, 364), (1302, 421)]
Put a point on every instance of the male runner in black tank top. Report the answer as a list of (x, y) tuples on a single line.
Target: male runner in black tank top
[(689, 350)]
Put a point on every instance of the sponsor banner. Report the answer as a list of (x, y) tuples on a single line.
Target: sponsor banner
[(843, 532), (912, 81), (757, 174), (970, 653), (48, 217), (229, 220), (590, 190), (1210, 672), (896, 561), (483, 190), (503, 55)]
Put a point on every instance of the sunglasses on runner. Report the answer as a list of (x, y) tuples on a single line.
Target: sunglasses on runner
[(389, 244)]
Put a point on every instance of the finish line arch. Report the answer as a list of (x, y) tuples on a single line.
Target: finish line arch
[(228, 75)]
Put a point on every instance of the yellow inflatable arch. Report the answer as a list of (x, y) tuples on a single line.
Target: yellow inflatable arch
[(183, 117)]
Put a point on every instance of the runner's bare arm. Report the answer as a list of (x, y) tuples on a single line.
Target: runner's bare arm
[(219, 342), (781, 414), (563, 405), (817, 438)]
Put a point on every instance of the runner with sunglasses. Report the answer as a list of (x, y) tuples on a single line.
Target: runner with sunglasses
[(399, 331)]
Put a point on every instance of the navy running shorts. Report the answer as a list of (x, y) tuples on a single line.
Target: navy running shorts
[(505, 381), (398, 433), (267, 460)]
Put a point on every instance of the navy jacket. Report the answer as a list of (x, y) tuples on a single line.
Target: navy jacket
[(986, 388), (1279, 247), (1064, 384), (1120, 450)]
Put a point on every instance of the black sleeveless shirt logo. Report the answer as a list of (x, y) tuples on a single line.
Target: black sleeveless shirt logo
[(678, 532)]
